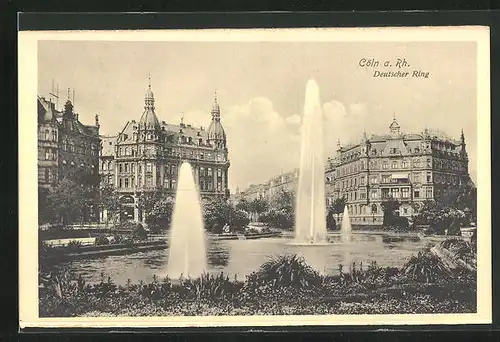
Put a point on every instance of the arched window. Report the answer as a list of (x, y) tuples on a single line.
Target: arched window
[(374, 208)]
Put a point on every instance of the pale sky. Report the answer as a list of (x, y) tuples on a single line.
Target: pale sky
[(260, 89)]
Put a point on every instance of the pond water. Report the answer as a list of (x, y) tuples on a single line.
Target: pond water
[(241, 257)]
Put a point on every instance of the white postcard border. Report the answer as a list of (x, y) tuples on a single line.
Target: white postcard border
[(28, 212)]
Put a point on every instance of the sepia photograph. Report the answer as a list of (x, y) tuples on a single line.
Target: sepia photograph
[(335, 176)]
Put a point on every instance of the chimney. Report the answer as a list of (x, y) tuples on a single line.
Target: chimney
[(97, 120)]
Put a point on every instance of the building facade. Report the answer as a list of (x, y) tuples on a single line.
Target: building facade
[(284, 182), (410, 168), (146, 155), (65, 145)]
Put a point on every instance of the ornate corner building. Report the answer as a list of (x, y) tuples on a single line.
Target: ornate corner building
[(410, 168), (65, 145), (146, 155)]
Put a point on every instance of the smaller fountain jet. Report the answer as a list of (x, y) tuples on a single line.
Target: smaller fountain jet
[(345, 227)]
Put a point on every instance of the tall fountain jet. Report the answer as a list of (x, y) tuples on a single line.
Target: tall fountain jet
[(310, 213), (187, 256)]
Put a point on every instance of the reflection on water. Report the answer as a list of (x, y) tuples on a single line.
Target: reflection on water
[(218, 254), (241, 257)]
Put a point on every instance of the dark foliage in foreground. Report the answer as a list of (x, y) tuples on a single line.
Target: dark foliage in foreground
[(282, 286)]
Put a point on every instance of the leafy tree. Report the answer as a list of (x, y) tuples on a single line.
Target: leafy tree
[(243, 205), (259, 206), (284, 200), (161, 215), (146, 201), (216, 213), (45, 214), (441, 218), (389, 207), (331, 223), (281, 211), (66, 201), (338, 206), (109, 201), (239, 219)]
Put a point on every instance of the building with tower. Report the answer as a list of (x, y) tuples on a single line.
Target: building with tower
[(146, 155)]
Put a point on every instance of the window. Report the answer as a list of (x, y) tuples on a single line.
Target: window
[(416, 163), (386, 178), (126, 167), (110, 179), (201, 155), (126, 183), (416, 177), (120, 168), (374, 208), (385, 193), (416, 194), (428, 193), (395, 193), (119, 182), (202, 171), (173, 184), (404, 164), (429, 162), (149, 167), (405, 210), (405, 192), (166, 183), (429, 178), (373, 194), (373, 180), (139, 181), (132, 167), (385, 165), (210, 172), (149, 181), (394, 164), (139, 168), (54, 135), (219, 172)]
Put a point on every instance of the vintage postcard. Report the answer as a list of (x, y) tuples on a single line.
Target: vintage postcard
[(255, 177)]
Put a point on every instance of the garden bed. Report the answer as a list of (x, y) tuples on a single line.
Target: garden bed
[(282, 286)]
